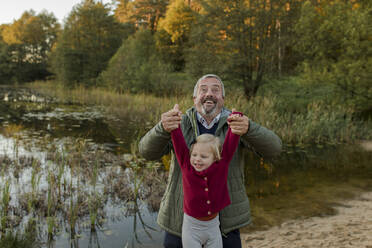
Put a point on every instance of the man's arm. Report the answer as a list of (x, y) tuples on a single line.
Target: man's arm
[(156, 142), (262, 140)]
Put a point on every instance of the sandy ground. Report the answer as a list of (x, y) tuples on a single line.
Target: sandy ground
[(351, 227)]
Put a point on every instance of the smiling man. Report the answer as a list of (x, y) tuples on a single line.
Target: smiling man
[(208, 115), (209, 97)]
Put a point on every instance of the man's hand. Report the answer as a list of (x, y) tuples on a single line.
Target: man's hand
[(172, 119), (239, 124)]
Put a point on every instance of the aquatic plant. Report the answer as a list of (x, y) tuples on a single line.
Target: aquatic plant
[(35, 180), (16, 240), (5, 199), (318, 121), (50, 217)]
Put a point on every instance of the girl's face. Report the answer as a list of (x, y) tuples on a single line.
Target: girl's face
[(201, 156)]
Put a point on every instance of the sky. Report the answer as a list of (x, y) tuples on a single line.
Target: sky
[(11, 10)]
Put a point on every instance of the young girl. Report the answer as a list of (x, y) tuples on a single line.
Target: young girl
[(204, 181)]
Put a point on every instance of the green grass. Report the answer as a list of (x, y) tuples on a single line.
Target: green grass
[(297, 113), (15, 240)]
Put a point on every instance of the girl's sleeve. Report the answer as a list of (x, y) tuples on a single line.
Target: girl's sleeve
[(230, 144), (179, 144)]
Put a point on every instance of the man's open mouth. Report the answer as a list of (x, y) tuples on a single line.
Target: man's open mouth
[(209, 101)]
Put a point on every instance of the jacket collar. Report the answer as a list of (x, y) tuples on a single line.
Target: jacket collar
[(191, 114)]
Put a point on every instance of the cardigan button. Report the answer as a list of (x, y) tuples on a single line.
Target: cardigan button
[(209, 213), (208, 202), (205, 178), (206, 189)]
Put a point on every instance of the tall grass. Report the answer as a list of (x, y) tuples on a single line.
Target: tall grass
[(5, 199), (316, 121)]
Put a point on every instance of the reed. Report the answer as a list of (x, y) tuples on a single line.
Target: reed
[(5, 200), (61, 161), (94, 200), (35, 180), (73, 211), (51, 205), (14, 239), (317, 122)]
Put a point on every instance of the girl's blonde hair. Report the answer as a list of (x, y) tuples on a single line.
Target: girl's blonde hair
[(212, 141)]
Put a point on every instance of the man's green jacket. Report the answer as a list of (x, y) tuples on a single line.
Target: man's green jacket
[(157, 142)]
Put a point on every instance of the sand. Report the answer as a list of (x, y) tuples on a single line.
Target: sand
[(350, 227)]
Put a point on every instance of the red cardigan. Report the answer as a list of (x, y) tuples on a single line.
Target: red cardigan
[(205, 192)]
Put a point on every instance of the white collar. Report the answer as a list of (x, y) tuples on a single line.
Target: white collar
[(205, 123)]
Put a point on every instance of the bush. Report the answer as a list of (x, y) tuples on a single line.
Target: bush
[(137, 68)]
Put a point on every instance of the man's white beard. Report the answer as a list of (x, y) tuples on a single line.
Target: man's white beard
[(211, 113)]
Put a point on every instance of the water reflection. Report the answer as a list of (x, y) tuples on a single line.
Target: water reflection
[(59, 121), (80, 195), (72, 185)]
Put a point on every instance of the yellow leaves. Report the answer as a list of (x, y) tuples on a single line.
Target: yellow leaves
[(276, 184), (355, 6), (287, 6), (223, 35), (250, 21), (10, 36), (29, 29), (268, 167), (12, 130), (178, 20), (166, 159)]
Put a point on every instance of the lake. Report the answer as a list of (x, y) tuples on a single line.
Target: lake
[(71, 178)]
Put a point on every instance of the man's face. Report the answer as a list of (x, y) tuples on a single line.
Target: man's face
[(209, 100)]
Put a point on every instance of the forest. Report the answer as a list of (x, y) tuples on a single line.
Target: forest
[(84, 90), (321, 48)]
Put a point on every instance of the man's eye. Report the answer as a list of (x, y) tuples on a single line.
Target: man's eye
[(215, 90)]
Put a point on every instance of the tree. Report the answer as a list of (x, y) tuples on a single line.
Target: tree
[(30, 40), (335, 41), (173, 33), (136, 67), (237, 39), (90, 37), (7, 68), (143, 13)]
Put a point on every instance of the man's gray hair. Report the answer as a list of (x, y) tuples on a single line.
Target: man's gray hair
[(209, 76)]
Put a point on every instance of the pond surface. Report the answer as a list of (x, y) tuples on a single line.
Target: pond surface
[(43, 142), (73, 182)]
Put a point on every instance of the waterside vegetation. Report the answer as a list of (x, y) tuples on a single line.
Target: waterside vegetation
[(296, 115)]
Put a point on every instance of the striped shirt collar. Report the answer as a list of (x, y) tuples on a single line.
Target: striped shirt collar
[(214, 121)]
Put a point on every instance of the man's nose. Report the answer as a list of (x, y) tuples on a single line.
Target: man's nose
[(209, 92)]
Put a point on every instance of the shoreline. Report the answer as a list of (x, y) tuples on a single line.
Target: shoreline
[(350, 227)]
